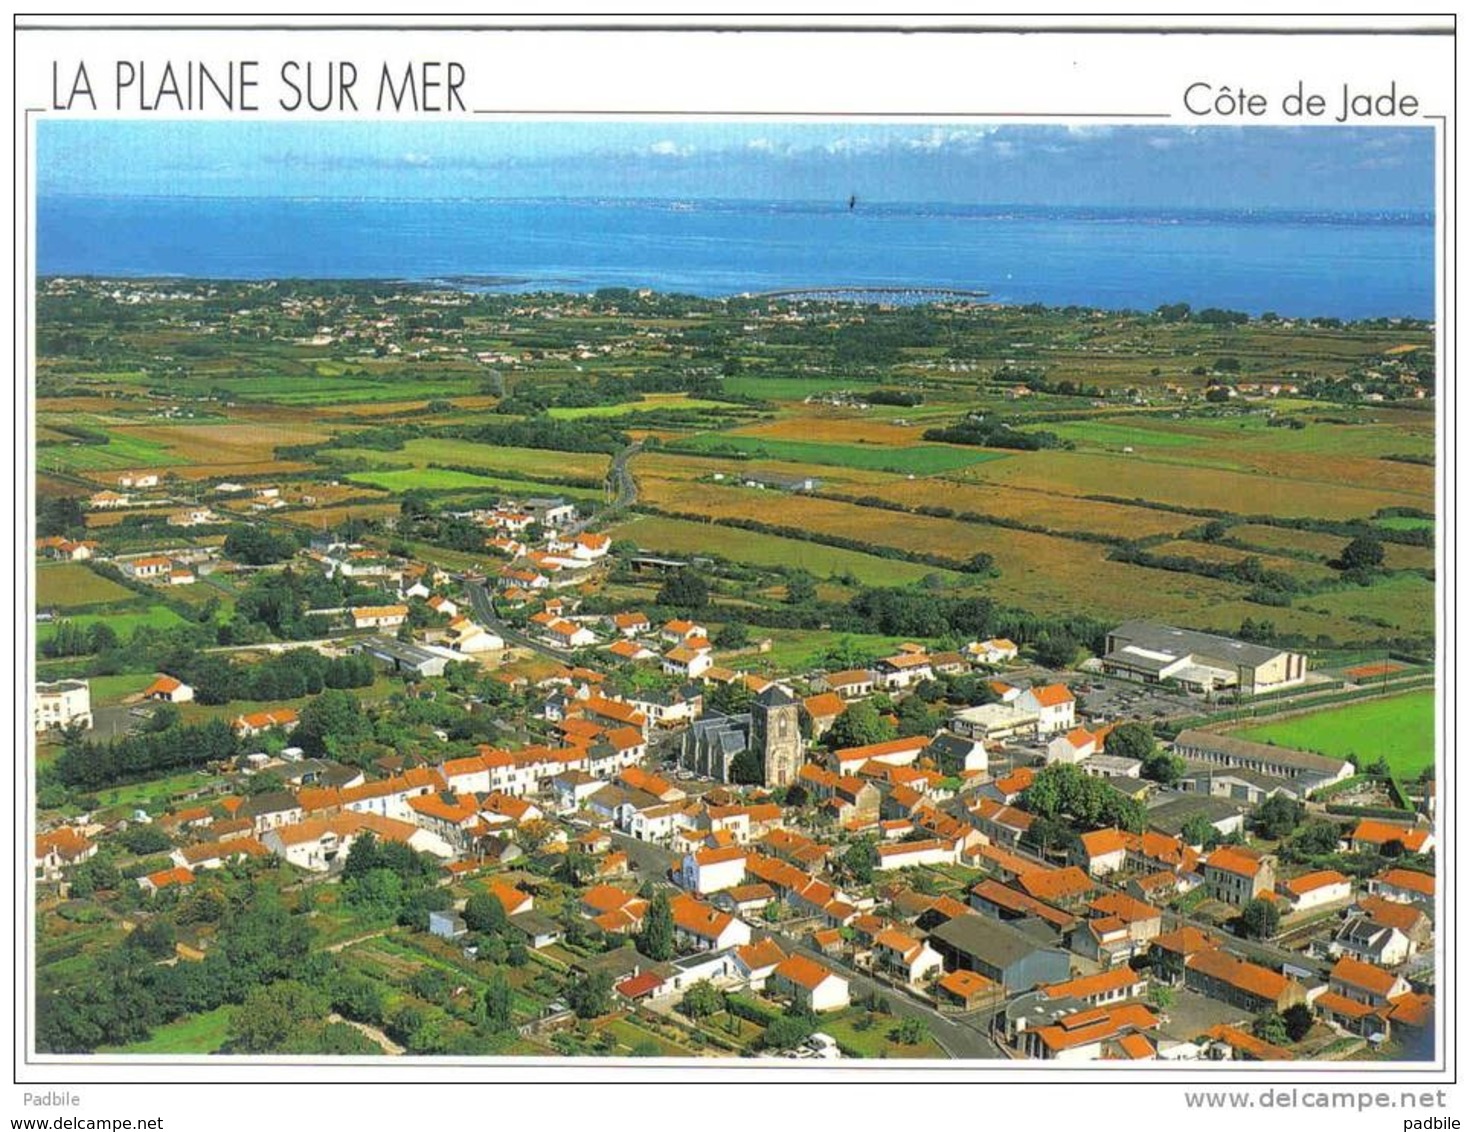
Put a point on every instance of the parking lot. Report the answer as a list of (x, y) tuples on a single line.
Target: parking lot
[(1104, 700)]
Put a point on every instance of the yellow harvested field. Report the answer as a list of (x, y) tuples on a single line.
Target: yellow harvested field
[(678, 466), (1284, 538), (1055, 512), (1399, 557), (228, 443), (1207, 552), (333, 516), (1038, 572), (1184, 484)]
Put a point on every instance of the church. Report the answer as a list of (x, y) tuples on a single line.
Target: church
[(770, 730)]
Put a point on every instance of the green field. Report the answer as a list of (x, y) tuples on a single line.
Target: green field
[(1114, 435), (198, 1033), (490, 457), (420, 479), (113, 689), (72, 585), (1399, 729), (679, 536), (785, 388), (1404, 523), (922, 459), (123, 624), (119, 452)]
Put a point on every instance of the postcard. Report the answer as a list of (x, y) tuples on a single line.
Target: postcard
[(736, 551)]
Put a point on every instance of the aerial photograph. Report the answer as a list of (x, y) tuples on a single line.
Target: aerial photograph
[(822, 591)]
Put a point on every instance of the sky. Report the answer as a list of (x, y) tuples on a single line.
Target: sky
[(1319, 167)]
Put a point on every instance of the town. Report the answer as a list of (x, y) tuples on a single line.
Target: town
[(544, 715)]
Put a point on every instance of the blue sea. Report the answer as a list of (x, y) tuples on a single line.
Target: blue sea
[(1325, 264)]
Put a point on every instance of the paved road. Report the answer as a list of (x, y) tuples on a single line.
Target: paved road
[(485, 614), (653, 861), (959, 1038)]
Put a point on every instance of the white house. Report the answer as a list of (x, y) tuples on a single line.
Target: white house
[(1316, 890), (379, 616), (810, 983), (906, 853), (168, 690), (710, 870), (705, 927), (1054, 705), (994, 651), (910, 959), (63, 703), (1076, 745)]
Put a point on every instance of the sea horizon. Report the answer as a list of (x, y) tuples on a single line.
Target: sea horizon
[(1350, 264)]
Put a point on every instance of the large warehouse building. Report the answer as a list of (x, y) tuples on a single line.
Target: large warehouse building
[(1200, 662)]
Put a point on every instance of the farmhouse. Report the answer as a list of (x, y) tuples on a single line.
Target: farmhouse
[(1201, 662), (168, 690), (379, 616)]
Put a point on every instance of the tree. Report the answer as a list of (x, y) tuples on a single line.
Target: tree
[(1260, 918), (332, 720), (912, 1031), (1132, 740), (859, 726), (1277, 817), (860, 860), (498, 999), (1270, 1027), (1363, 553), (1161, 996), (701, 1000), (656, 939), (801, 588), (271, 1015), (1197, 830), (592, 996), (1058, 650), (788, 1031), (731, 635), (1298, 1019), (684, 589), (745, 769), (485, 913), (1162, 767)]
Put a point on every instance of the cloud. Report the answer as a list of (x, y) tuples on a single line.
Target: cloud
[(667, 148)]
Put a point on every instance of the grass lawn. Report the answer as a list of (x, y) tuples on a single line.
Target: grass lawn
[(795, 650), (198, 1033), (154, 794), (631, 1034), (70, 584), (921, 459), (114, 689), (875, 1041), (1399, 729), (123, 624)]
